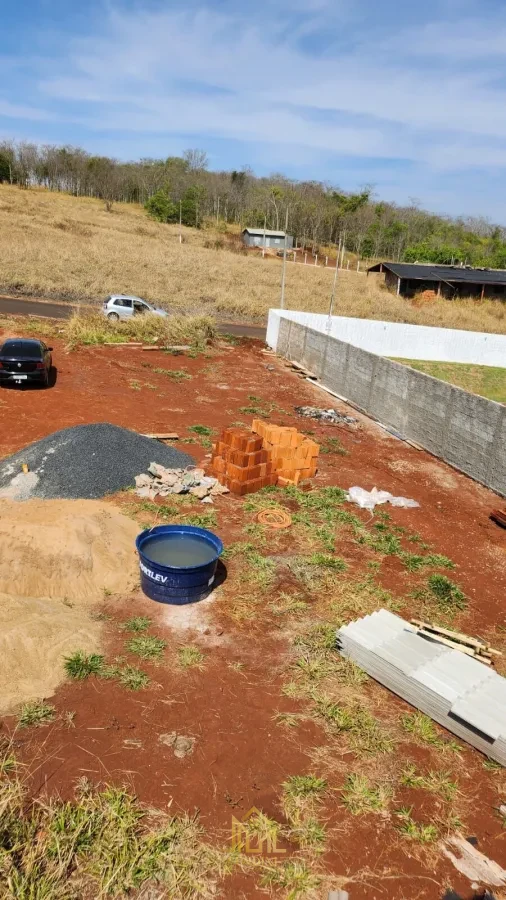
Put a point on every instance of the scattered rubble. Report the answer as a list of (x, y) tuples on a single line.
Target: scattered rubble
[(325, 415), (160, 482)]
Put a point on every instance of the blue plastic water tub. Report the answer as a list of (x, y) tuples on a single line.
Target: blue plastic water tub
[(177, 585)]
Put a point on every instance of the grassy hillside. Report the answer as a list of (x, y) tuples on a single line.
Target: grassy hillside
[(56, 245), (487, 381)]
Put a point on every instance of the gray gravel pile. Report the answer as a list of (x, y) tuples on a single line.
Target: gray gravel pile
[(84, 462)]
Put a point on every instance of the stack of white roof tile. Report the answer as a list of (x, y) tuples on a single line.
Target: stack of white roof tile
[(459, 692)]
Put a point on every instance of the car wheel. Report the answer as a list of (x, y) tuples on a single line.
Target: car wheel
[(113, 317)]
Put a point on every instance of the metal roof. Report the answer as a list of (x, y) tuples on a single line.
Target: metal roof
[(442, 273), (459, 692), (262, 232)]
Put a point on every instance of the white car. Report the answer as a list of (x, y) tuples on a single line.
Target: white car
[(122, 306)]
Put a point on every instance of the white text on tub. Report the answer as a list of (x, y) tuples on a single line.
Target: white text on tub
[(150, 574)]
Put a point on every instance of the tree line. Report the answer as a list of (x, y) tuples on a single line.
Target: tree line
[(319, 214)]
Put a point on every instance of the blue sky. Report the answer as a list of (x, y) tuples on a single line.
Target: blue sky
[(408, 97)]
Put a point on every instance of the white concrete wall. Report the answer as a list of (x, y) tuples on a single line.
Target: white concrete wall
[(396, 339)]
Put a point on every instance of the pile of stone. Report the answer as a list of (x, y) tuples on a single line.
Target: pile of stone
[(160, 482), (325, 415)]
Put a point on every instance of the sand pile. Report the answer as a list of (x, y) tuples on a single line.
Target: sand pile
[(57, 557), (35, 636), (69, 550)]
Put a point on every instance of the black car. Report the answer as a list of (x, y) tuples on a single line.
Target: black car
[(23, 361)]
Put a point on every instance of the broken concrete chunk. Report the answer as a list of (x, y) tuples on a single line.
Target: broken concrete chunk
[(218, 489), (142, 481), (182, 744), (156, 469), (199, 492)]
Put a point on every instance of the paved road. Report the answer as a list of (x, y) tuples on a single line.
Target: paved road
[(16, 307)]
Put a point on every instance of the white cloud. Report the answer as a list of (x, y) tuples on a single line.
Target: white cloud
[(198, 72), (428, 95)]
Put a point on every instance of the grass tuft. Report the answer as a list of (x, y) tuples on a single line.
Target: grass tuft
[(360, 796), (81, 665), (137, 623), (422, 728), (146, 646), (190, 657), (35, 712)]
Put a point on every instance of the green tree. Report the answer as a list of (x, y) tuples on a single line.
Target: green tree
[(160, 207)]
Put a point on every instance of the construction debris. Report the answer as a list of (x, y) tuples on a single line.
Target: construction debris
[(457, 691), (160, 482), (369, 499), (471, 863), (325, 415), (458, 641), (499, 516)]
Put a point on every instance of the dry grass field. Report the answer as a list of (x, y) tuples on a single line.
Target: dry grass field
[(55, 245)]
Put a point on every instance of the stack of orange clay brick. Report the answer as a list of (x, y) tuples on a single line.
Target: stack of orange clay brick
[(246, 461), (239, 462), (293, 456)]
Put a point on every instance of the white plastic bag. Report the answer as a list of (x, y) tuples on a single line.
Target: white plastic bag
[(369, 499)]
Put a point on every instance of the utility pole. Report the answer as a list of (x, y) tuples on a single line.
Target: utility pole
[(263, 243), (283, 273), (334, 287), (180, 221)]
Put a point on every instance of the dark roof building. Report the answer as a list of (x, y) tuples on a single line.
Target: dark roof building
[(408, 279), (259, 237)]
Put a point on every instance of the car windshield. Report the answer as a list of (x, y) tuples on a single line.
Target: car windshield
[(28, 349)]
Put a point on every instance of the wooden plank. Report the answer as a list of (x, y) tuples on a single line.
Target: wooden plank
[(164, 436), (455, 645), (178, 348), (457, 636)]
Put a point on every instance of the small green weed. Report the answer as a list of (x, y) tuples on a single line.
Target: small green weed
[(135, 385), (288, 605), (309, 833), (175, 374), (304, 786), (327, 561), (203, 430), (35, 712), (190, 657), (436, 782), (201, 520), (366, 733), (423, 729), (333, 445), (360, 796), (447, 594), (294, 877), (415, 562), (81, 665), (132, 678), (423, 834), (146, 646), (137, 624)]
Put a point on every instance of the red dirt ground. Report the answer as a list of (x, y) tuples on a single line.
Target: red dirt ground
[(241, 756)]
